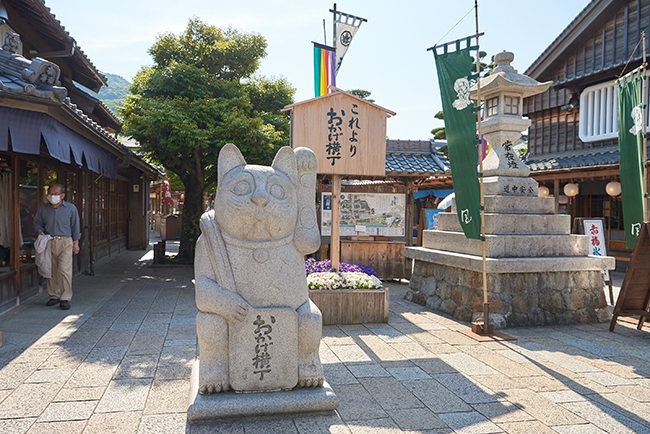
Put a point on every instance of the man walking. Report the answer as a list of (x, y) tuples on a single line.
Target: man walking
[(60, 220)]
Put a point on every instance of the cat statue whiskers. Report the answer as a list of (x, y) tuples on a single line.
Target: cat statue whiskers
[(250, 260)]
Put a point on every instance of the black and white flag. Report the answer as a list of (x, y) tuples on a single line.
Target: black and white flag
[(346, 27)]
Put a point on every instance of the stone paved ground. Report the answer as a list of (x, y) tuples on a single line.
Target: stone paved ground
[(119, 362)]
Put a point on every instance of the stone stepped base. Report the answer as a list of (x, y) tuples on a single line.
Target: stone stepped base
[(508, 246), (519, 299), (516, 205), (510, 186), (513, 224), (511, 265)]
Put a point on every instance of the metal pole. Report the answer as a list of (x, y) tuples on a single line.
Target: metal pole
[(486, 304), (645, 140), (334, 27), (324, 33)]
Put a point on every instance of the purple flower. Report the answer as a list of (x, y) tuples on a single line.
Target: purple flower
[(314, 266)]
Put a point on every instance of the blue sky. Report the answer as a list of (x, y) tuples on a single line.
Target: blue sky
[(387, 57)]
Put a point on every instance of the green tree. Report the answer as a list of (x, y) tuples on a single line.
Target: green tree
[(363, 94), (200, 94)]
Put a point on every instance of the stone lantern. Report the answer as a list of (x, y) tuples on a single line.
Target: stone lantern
[(503, 92), (538, 273)]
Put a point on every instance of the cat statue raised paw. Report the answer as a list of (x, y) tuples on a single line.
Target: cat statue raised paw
[(257, 328)]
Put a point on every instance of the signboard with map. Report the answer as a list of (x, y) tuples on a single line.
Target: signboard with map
[(367, 214)]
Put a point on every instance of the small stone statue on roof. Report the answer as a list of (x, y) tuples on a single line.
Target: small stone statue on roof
[(12, 42)]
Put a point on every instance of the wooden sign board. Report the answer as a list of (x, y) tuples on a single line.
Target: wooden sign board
[(347, 134), (634, 297)]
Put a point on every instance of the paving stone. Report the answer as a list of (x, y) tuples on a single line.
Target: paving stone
[(178, 355), (276, 426), (404, 374), (163, 424), (137, 367), (506, 366), (363, 370), (541, 408), (541, 383), (466, 389), (375, 426), (629, 407), (16, 426), (578, 429), (106, 355), (469, 423), (453, 337), (124, 396), (412, 350), (62, 411), (116, 338), (502, 411), (174, 371), (321, 424), (591, 347), (390, 393), (607, 379), (225, 427), (13, 374), (50, 376), (496, 383), (467, 364), (350, 353), (146, 343), (65, 427), (355, 403), (167, 397), (416, 419), (28, 400), (80, 394), (438, 349), (339, 374), (124, 327), (388, 334), (338, 340), (436, 397), (114, 423), (525, 427), (605, 418), (561, 396), (378, 349), (89, 375)]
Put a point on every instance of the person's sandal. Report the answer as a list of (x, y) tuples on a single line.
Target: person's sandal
[(52, 302), (65, 305)]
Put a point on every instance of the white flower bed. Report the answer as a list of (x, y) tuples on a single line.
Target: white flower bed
[(343, 280)]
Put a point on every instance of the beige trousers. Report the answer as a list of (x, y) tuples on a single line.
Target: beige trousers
[(60, 285)]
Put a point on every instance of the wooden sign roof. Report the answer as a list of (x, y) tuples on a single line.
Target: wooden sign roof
[(347, 133)]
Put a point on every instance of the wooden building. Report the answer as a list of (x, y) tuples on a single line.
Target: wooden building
[(52, 131), (574, 131), (411, 167)]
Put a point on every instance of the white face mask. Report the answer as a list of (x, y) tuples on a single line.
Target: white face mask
[(53, 199)]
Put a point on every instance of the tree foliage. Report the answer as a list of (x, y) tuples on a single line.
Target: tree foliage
[(363, 94), (201, 93)]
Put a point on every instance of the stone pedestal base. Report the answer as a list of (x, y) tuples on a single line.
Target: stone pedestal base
[(516, 299), (230, 404)]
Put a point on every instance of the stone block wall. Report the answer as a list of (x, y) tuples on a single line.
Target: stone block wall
[(516, 300)]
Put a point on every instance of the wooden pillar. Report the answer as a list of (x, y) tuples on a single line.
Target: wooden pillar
[(335, 241), (410, 219), (556, 193)]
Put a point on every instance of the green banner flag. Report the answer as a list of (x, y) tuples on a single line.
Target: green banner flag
[(454, 72), (630, 150)]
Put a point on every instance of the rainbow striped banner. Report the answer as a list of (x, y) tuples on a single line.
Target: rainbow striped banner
[(324, 68)]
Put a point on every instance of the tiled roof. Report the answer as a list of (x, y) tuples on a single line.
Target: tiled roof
[(574, 160), (414, 158)]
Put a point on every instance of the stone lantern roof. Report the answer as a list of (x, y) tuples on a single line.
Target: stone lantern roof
[(505, 78)]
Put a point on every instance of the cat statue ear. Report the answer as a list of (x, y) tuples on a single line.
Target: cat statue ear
[(285, 162), (229, 158)]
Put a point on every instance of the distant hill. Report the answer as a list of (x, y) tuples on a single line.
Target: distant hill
[(116, 91)]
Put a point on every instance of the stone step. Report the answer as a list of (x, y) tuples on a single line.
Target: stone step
[(516, 205), (511, 265), (510, 186), (508, 246), (513, 224)]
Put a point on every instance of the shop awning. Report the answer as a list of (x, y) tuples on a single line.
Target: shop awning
[(436, 193), (26, 128)]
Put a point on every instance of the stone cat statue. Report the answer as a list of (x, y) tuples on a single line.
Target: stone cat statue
[(250, 260)]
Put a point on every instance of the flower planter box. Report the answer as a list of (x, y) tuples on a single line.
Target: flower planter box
[(351, 306)]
